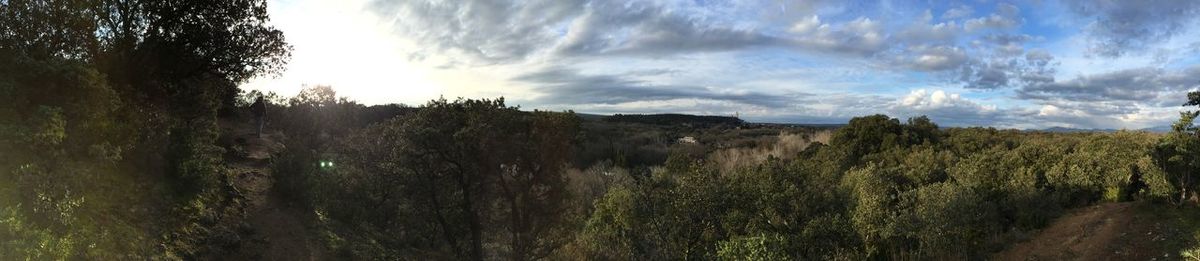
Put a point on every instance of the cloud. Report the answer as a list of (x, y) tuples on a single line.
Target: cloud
[(1007, 16), (568, 86), (861, 36), (1121, 27), (612, 56), (1145, 85), (1138, 97), (958, 12), (922, 99), (507, 31), (923, 30), (1004, 44), (935, 58), (1008, 70), (490, 31), (947, 108), (638, 28)]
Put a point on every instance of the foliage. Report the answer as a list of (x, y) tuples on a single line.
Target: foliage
[(451, 178), (1178, 153), (108, 130), (880, 190)]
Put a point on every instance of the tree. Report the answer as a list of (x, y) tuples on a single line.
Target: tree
[(97, 86), (456, 177), (1178, 153)]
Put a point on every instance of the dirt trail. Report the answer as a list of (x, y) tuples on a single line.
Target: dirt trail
[(1110, 231), (275, 230)]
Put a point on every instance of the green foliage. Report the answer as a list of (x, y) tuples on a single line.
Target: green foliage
[(879, 190), (18, 239), (451, 177), (1178, 154), (754, 248), (106, 102)]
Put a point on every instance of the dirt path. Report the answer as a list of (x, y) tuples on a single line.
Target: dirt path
[(274, 229), (1110, 231)]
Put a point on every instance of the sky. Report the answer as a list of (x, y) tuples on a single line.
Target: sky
[(1010, 64)]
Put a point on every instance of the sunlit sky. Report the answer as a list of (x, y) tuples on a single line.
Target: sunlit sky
[(1021, 64)]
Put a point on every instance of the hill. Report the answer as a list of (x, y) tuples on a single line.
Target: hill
[(676, 119)]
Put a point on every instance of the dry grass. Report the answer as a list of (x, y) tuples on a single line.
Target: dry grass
[(589, 185), (786, 146)]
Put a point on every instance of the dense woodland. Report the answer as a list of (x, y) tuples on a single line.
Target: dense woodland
[(110, 150)]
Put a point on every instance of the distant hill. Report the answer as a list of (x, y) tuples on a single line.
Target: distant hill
[(590, 117), (675, 119), (1073, 130), (1158, 129), (799, 125)]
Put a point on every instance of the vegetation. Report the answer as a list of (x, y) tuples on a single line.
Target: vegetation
[(109, 123), (876, 188), (112, 150)]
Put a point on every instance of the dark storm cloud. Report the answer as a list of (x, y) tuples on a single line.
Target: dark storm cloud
[(1121, 27), (567, 86)]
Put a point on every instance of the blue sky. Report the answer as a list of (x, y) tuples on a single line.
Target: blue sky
[(1018, 64)]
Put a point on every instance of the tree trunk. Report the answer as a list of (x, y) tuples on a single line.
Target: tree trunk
[(473, 219)]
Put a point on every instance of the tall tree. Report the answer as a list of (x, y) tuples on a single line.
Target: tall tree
[(1178, 153), (94, 84), (471, 173)]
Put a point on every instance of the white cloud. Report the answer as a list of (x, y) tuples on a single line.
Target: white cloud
[(1007, 16), (861, 36), (936, 58), (924, 100), (958, 12), (923, 30), (948, 108), (807, 25)]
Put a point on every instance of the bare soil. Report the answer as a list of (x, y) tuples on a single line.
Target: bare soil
[(274, 229), (1109, 231)]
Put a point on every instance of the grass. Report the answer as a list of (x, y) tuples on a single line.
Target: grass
[(1181, 222)]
